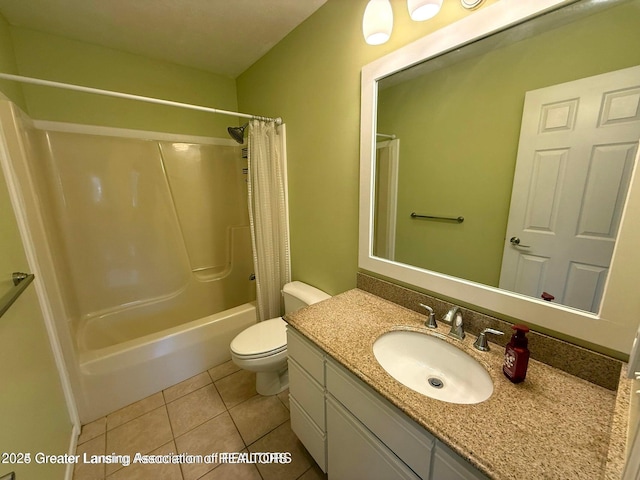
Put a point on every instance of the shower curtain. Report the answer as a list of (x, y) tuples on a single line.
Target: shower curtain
[(268, 216)]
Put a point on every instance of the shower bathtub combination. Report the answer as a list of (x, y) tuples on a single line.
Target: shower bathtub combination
[(142, 247)]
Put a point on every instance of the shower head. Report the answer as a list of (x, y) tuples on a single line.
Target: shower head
[(237, 133)]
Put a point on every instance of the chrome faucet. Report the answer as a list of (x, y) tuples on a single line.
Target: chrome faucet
[(431, 323), (481, 342), (454, 318)]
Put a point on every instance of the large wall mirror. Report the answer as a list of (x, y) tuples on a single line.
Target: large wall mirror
[(498, 159)]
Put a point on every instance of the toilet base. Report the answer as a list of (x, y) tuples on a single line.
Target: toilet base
[(272, 383)]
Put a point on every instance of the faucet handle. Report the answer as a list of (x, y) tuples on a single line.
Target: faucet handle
[(481, 342), (431, 323)]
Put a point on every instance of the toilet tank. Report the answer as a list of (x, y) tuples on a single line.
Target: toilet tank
[(299, 294)]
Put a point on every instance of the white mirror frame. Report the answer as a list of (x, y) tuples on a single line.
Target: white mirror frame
[(615, 324)]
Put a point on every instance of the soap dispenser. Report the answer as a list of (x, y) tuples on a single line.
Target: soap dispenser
[(516, 355)]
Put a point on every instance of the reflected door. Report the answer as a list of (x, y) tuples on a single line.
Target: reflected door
[(386, 188), (578, 143)]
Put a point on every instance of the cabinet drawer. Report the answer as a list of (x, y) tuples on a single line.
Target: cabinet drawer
[(309, 434), (306, 354), (354, 453), (412, 443), (307, 392)]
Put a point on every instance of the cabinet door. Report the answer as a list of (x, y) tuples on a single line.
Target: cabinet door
[(406, 439), (354, 453), (448, 465)]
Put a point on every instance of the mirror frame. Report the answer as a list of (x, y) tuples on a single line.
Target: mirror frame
[(614, 326)]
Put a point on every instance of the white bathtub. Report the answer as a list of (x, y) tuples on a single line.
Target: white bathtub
[(116, 376), (137, 238)]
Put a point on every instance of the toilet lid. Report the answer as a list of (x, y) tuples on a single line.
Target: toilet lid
[(262, 338)]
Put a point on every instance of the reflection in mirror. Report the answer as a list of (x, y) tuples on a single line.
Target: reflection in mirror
[(530, 135)]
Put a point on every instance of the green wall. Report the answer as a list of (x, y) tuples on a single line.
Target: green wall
[(312, 80), (12, 90), (33, 411), (456, 159), (56, 58)]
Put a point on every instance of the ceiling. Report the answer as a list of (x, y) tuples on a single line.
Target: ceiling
[(220, 36)]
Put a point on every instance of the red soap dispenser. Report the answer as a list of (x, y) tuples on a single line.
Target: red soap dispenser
[(516, 355)]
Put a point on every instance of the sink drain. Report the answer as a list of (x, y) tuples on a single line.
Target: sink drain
[(435, 382)]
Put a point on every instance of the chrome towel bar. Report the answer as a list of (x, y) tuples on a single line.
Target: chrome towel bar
[(433, 217), (20, 282)]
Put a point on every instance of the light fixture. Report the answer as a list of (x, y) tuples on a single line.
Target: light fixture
[(420, 10), (471, 4), (377, 22)]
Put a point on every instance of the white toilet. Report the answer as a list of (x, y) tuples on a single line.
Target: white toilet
[(262, 348)]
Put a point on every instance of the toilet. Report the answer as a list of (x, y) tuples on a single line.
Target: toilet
[(262, 348)]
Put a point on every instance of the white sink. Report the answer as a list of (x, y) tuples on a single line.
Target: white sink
[(433, 367)]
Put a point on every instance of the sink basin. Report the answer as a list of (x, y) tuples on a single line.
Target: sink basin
[(433, 367)]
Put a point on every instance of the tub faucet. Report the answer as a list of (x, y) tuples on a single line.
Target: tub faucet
[(454, 318)]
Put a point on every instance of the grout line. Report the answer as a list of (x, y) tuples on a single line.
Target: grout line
[(185, 394), (137, 416), (173, 435)]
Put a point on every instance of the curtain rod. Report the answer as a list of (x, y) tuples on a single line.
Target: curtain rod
[(111, 93)]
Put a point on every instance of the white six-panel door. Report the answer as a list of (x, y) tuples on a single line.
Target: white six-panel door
[(578, 142)]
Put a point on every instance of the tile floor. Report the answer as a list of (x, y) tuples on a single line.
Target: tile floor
[(215, 411)]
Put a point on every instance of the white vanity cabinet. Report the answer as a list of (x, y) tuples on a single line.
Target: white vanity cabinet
[(354, 433)]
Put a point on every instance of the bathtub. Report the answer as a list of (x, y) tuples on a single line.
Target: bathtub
[(141, 242), (121, 374)]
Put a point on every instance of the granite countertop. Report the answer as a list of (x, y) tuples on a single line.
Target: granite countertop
[(551, 426)]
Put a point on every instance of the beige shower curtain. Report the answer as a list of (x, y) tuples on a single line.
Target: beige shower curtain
[(268, 215)]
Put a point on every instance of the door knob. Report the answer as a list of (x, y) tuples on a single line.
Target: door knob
[(515, 241)]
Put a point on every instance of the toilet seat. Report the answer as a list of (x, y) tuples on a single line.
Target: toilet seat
[(263, 339)]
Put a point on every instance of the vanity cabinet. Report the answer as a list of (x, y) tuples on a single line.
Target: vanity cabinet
[(353, 432)]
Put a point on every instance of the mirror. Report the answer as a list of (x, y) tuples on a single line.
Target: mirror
[(471, 183), (564, 120)]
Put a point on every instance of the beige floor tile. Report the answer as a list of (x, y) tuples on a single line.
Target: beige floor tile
[(258, 416), (146, 471), (92, 430), (195, 416), (222, 370), (134, 410), (233, 471), (237, 387), (214, 436), (141, 435), (194, 409), (183, 388), (314, 473), (282, 439), (90, 471)]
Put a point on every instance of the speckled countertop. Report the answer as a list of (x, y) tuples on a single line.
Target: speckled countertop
[(551, 426)]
